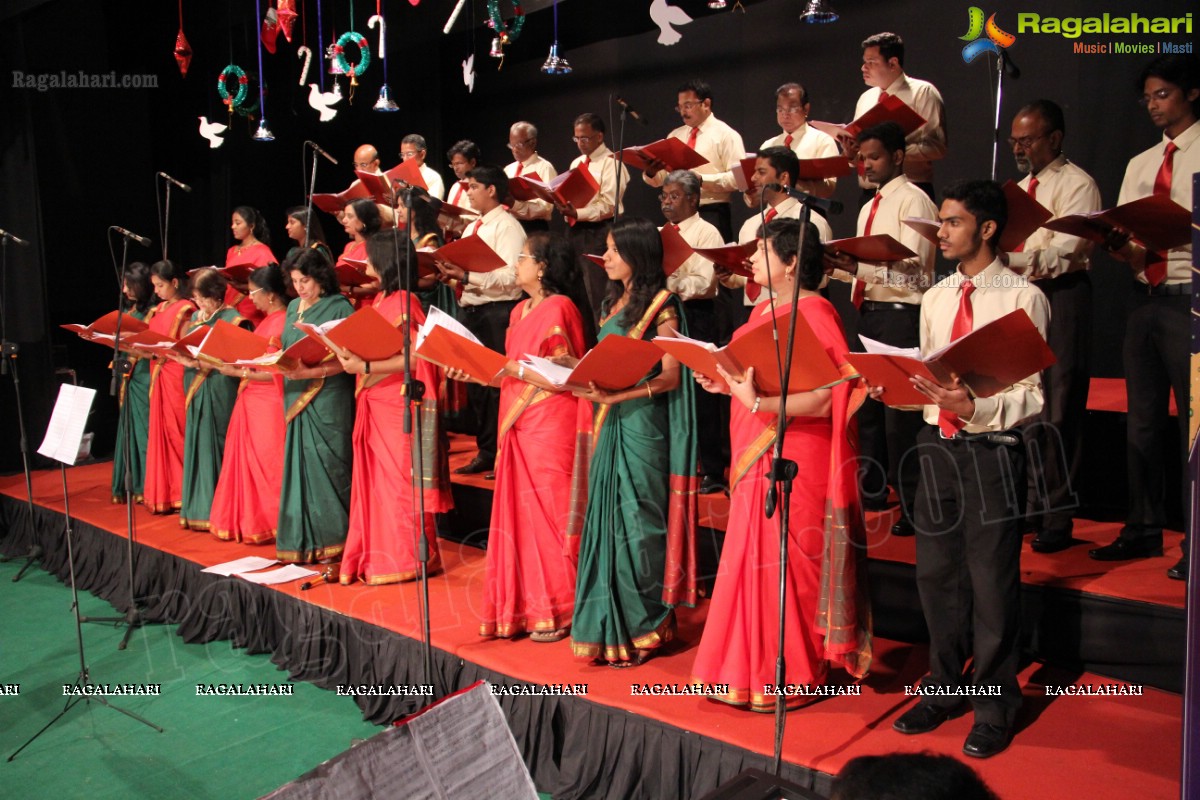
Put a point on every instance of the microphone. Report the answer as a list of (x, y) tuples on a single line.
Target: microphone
[(178, 183), (12, 237), (1010, 66), (633, 112), (830, 206), (321, 150), (142, 240)]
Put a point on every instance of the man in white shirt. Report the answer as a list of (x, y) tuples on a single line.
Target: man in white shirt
[(413, 146), (587, 225), (1058, 265), (970, 505), (888, 298), (366, 159), (883, 71), (1157, 330), (534, 215), (696, 284), (792, 108), (463, 156), (716, 141), (488, 298)]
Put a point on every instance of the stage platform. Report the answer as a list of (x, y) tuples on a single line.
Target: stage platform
[(609, 743)]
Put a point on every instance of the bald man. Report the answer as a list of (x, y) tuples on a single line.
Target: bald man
[(534, 215)]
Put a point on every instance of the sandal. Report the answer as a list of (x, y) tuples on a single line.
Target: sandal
[(546, 637)]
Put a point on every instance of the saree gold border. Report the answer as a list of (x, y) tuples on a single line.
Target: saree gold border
[(200, 525), (638, 331), (259, 537), (431, 452), (165, 508), (757, 449), (198, 379), (508, 630), (310, 556), (664, 633), (435, 566), (303, 400)]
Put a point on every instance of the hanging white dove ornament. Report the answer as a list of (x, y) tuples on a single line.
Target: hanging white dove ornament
[(212, 132), (664, 16), (468, 68), (321, 101)]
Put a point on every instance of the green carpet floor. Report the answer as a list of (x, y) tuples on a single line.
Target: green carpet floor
[(211, 747)]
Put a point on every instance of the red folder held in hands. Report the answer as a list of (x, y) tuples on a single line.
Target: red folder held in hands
[(334, 203), (106, 327), (448, 350), (987, 360), (575, 187), (818, 169), (1025, 215), (675, 249), (732, 257), (365, 333), (615, 363), (890, 109), (876, 247), (673, 153), (470, 253), (1157, 222)]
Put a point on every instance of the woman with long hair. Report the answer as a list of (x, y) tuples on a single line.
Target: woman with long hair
[(245, 505), (318, 402), (537, 511), (361, 220), (637, 553), (133, 420), (382, 543), (164, 441), (253, 246), (208, 402), (300, 230), (826, 618)]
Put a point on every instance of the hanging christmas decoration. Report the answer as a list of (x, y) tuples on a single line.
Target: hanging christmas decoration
[(270, 30), (468, 67), (306, 54), (354, 70), (236, 99), (321, 101), (263, 134), (286, 11), (385, 103), (212, 132), (183, 50), (665, 16), (554, 65), (506, 32), (716, 5)]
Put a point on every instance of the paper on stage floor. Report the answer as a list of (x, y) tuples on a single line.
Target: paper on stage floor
[(239, 565), (65, 431), (292, 572)]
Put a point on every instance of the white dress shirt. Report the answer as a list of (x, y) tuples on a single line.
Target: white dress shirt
[(434, 182), (808, 142), (540, 169), (695, 278), (723, 148), (501, 231), (603, 169), (788, 208), (1063, 189), (927, 143)]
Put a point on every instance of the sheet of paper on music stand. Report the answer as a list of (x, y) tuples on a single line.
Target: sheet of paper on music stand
[(65, 431), (292, 572), (238, 565)]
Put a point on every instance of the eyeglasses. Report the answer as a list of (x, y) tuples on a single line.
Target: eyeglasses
[(789, 109), (253, 292), (688, 105), (363, 164), (586, 139), (1157, 94), (518, 145), (524, 255), (673, 197), (1025, 142), (406, 156)]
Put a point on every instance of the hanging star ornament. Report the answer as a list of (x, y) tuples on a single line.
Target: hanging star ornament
[(286, 10), (183, 53)]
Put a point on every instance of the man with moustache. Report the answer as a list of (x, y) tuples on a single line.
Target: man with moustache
[(792, 107), (534, 215), (413, 146)]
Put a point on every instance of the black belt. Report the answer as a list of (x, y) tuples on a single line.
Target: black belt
[(1009, 438), (871, 305), (1166, 289)]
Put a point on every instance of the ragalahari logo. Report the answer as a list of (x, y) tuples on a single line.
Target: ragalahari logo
[(996, 40)]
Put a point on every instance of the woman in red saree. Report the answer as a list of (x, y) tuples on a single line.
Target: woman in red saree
[(253, 247), (361, 221), (382, 543), (826, 614), (536, 511), (245, 506), (164, 445)]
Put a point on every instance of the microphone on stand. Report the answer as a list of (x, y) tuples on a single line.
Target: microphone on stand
[(1010, 66), (142, 240), (321, 150), (13, 238), (178, 183), (830, 206), (633, 112)]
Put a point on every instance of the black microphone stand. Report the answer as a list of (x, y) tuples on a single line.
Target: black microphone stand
[(1004, 64), (8, 366), (620, 164), (166, 229), (414, 391), (312, 187), (782, 473), (122, 367)]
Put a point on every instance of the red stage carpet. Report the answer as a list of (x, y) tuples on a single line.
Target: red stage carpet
[(1068, 747)]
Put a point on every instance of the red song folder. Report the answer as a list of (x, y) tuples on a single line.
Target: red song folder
[(675, 249), (890, 109), (673, 153), (348, 273), (1025, 215), (743, 173), (449, 350), (408, 171), (818, 169), (733, 257), (470, 253), (876, 247), (334, 203), (1156, 221), (105, 328), (365, 333), (987, 360), (615, 363), (575, 187), (227, 343)]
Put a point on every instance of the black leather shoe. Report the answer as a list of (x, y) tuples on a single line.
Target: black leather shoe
[(903, 527), (922, 718), (1050, 543), (478, 464), (985, 740), (1179, 572), (1124, 549), (875, 503), (710, 485)]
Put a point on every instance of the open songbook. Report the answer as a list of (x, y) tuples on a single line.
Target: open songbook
[(575, 187), (104, 330), (890, 109), (616, 363), (672, 152), (445, 341), (365, 333), (876, 247), (987, 360), (1156, 221), (226, 343), (159, 343), (811, 366)]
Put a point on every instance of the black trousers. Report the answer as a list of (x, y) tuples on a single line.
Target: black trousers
[(1054, 440), (968, 512), (1156, 363), (531, 225), (489, 322), (712, 410), (887, 436), (588, 238)]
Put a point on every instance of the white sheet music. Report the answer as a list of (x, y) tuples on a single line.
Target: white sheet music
[(557, 374), (239, 565), (438, 318), (881, 349), (292, 572), (65, 431)]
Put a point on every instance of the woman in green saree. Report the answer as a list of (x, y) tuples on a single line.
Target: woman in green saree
[(637, 551), (318, 402), (208, 400), (135, 393)]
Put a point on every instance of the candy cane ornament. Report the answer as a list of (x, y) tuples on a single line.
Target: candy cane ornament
[(382, 33), (306, 54)]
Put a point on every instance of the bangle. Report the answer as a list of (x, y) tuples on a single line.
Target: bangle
[(757, 403), (366, 368), (245, 373), (520, 372), (649, 391), (324, 373)]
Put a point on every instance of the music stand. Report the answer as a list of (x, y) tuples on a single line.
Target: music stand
[(63, 436)]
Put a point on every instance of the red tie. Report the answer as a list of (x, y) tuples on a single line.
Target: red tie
[(753, 290), (1157, 271), (476, 227), (787, 140), (883, 96), (520, 169), (1032, 191), (964, 322), (691, 142), (859, 292)]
